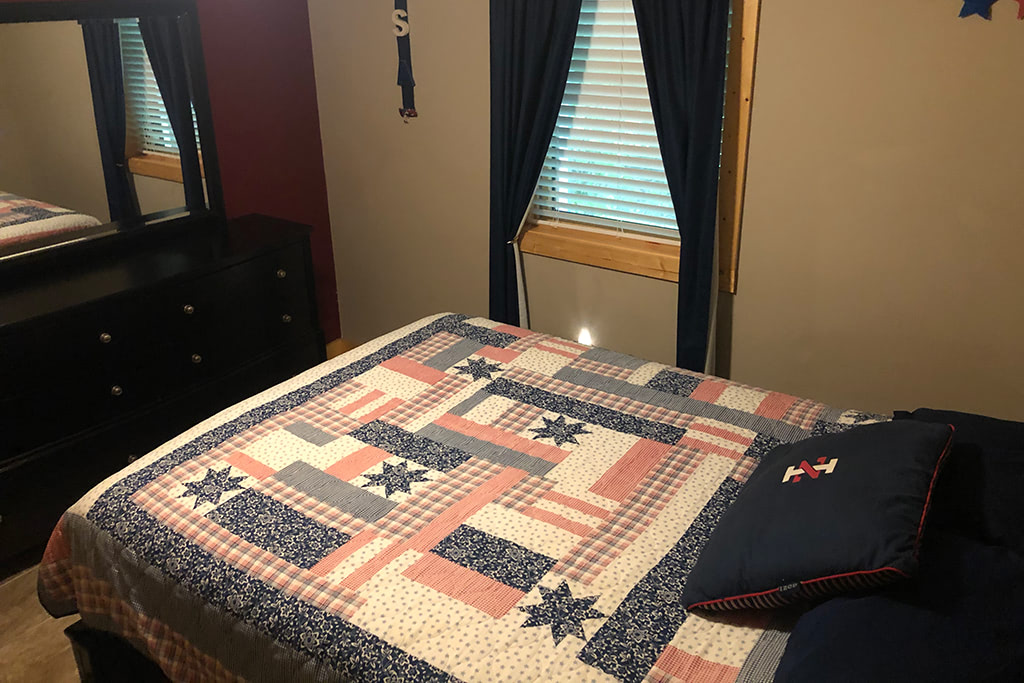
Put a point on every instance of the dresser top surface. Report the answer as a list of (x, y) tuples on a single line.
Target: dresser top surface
[(75, 277)]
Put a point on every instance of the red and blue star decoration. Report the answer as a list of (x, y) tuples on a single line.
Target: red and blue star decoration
[(983, 8)]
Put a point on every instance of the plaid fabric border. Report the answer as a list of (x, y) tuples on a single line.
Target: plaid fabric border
[(171, 651), (744, 467), (526, 493), (804, 413), (320, 413), (600, 368), (317, 411), (629, 521), (528, 342), (426, 350), (420, 404), (311, 507), (300, 583), (413, 515), (55, 570), (518, 418), (598, 397)]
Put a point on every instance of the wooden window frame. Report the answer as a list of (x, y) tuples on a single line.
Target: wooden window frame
[(641, 254), (157, 165)]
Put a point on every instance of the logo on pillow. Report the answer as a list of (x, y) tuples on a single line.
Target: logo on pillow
[(813, 471)]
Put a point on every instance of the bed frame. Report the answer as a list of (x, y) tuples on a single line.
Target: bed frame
[(105, 658)]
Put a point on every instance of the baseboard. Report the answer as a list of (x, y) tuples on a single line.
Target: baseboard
[(338, 347)]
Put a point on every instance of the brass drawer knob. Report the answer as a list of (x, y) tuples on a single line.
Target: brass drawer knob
[(286, 318), (281, 273), (188, 309), (105, 338), (196, 358), (116, 390)]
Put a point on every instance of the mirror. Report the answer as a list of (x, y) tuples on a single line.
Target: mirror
[(105, 126)]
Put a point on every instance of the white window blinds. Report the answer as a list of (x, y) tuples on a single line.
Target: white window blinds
[(149, 129), (604, 165)]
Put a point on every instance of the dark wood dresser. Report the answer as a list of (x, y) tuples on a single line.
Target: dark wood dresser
[(106, 352)]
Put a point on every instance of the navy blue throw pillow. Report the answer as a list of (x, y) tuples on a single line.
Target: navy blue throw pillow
[(961, 619), (978, 494), (823, 516)]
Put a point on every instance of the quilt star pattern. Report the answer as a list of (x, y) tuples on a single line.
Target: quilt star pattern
[(458, 500)]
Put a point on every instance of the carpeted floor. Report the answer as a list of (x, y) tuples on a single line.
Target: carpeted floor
[(33, 648)]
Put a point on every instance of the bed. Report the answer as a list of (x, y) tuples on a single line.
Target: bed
[(457, 500), (22, 220)]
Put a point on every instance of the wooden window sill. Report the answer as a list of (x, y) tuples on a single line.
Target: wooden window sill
[(163, 166), (624, 252)]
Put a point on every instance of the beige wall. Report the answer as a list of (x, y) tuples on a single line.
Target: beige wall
[(867, 279), (635, 315), (881, 255), (409, 202), (48, 145)]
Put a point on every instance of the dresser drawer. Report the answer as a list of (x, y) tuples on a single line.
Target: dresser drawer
[(83, 340), (38, 413), (240, 311)]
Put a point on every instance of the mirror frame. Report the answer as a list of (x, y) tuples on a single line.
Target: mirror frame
[(75, 10)]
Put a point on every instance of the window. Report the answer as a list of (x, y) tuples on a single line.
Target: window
[(604, 170), (604, 165), (149, 130)]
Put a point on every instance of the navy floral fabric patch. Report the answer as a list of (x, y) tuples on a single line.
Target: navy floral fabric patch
[(502, 560), (823, 427), (397, 441), (586, 412), (647, 619), (674, 383), (278, 529)]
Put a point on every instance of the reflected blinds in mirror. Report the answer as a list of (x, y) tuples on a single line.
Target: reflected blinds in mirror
[(149, 129)]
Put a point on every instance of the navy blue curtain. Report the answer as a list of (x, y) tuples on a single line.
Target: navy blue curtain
[(684, 50), (103, 57), (531, 49), (165, 45)]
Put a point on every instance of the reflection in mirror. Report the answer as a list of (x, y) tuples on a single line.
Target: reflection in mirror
[(98, 130)]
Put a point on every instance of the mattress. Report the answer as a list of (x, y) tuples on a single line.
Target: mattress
[(24, 219), (457, 500)]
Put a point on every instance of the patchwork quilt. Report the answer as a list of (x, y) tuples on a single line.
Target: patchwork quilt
[(457, 500), (24, 219)]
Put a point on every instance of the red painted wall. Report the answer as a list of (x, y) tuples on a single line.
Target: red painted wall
[(259, 63)]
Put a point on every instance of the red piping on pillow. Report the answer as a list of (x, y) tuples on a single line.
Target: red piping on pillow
[(931, 487), (732, 598), (864, 571)]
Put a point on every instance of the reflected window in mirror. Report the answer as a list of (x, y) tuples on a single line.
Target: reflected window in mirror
[(152, 147), (101, 116)]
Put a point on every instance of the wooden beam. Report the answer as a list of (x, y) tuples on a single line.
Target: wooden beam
[(736, 137)]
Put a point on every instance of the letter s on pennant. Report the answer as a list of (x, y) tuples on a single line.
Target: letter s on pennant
[(401, 28)]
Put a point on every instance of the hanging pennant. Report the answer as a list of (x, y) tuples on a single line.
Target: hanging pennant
[(400, 18), (983, 8)]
